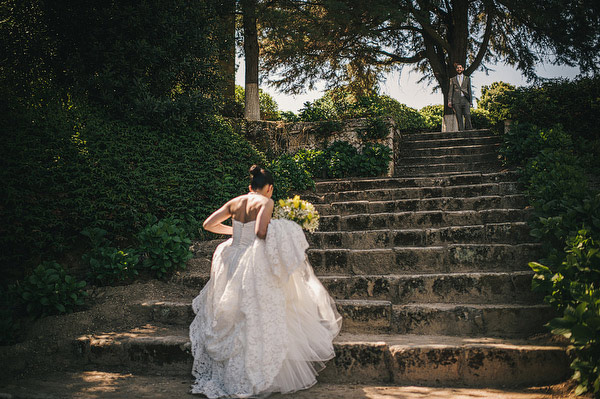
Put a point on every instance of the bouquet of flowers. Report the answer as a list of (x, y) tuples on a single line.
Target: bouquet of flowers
[(299, 211)]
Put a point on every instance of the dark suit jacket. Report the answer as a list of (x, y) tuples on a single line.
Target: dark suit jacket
[(455, 89)]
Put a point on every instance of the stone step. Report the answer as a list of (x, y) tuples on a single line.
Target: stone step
[(502, 320), (514, 201), (358, 314), (362, 315), (456, 150), (360, 358), (467, 288), (499, 233), (416, 143), (421, 219), (427, 169), (452, 258), (415, 159), (440, 136), (389, 194), (353, 184), (73, 384)]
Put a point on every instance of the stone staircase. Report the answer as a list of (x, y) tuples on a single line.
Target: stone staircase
[(429, 271)]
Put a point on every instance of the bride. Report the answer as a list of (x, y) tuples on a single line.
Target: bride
[(264, 323)]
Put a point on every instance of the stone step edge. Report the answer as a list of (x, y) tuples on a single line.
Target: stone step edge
[(425, 229), (416, 188), (479, 197), (435, 212), (381, 303), (180, 336), (454, 174)]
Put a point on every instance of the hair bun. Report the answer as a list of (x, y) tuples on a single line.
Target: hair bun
[(255, 170)]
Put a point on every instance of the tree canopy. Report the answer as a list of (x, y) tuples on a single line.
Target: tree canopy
[(345, 41)]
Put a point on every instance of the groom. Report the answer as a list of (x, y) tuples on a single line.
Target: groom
[(459, 97)]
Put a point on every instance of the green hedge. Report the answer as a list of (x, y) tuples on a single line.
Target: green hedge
[(573, 104), (64, 170), (566, 221)]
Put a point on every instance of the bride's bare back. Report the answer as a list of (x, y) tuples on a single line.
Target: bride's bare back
[(245, 208)]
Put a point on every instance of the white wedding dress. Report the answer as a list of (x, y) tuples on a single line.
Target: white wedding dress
[(264, 322)]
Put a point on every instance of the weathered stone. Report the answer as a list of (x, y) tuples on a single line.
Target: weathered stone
[(505, 320)]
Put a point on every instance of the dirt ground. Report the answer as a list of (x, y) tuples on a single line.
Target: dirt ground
[(96, 384)]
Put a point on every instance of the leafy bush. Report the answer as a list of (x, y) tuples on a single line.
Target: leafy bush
[(50, 290), (66, 169), (289, 175), (574, 289), (567, 222), (324, 129), (313, 161), (289, 116), (322, 109), (342, 159), (573, 104), (374, 160), (524, 141), (166, 246), (376, 128), (108, 265), (480, 118), (433, 116)]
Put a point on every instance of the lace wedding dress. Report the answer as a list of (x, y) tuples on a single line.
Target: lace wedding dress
[(264, 322)]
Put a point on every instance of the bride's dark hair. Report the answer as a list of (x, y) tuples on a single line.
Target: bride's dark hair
[(259, 177)]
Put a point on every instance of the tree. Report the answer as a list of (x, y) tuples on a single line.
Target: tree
[(344, 41), (251, 51)]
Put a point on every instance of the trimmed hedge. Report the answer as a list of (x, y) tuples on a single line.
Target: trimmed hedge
[(567, 223), (573, 104), (64, 170)]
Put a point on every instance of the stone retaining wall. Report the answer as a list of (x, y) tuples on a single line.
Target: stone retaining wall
[(276, 138)]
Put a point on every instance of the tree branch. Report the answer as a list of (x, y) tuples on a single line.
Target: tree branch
[(405, 60), (484, 44)]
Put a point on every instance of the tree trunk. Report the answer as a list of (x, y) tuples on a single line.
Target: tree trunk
[(252, 108), (226, 9)]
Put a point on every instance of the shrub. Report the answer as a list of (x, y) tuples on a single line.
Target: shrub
[(376, 128), (340, 104), (313, 161), (64, 170), (289, 175), (289, 116), (573, 288), (166, 246), (567, 222), (108, 265), (480, 118), (324, 129), (342, 159), (50, 290), (573, 104), (322, 109), (374, 160), (433, 116), (524, 141)]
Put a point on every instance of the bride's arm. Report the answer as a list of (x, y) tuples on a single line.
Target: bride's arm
[(263, 218), (214, 223)]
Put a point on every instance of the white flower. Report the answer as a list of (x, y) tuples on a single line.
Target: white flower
[(299, 211)]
